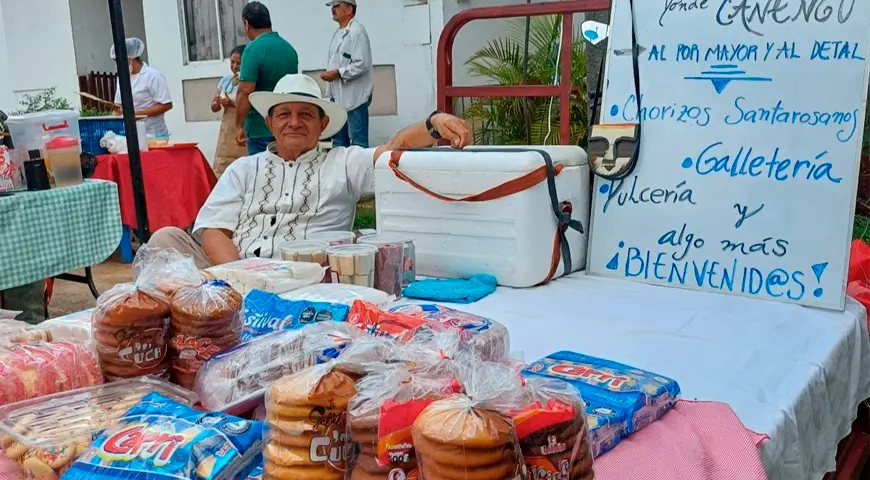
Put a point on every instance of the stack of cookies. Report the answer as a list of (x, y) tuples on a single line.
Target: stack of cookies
[(563, 447), (457, 441), (306, 417), (131, 331), (206, 320), (364, 432)]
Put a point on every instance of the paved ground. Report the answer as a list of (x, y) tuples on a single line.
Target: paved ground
[(70, 297)]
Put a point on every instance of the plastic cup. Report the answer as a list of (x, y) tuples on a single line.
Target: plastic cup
[(389, 261), (334, 238), (305, 251), (353, 264)]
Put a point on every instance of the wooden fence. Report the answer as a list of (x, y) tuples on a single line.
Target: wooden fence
[(99, 84)]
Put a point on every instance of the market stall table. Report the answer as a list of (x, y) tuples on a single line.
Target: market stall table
[(177, 183), (797, 374), (50, 232)]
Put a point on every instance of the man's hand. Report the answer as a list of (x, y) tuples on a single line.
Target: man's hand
[(453, 129), (240, 135), (329, 76)]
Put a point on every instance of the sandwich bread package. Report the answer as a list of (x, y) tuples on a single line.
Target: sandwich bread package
[(472, 435), (130, 324), (266, 313), (552, 431), (487, 338), (37, 369), (641, 396), (344, 293), (75, 327), (161, 438), (206, 320), (270, 275), (44, 436), (234, 381), (306, 425), (389, 399)]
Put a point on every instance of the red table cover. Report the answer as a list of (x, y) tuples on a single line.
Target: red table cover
[(177, 183)]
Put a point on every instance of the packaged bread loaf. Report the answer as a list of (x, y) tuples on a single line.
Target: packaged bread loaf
[(306, 425), (266, 312), (472, 436), (206, 320), (227, 381), (40, 369), (380, 417), (131, 329), (267, 274), (552, 431)]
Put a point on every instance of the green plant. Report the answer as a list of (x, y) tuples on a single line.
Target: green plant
[(507, 121), (39, 102), (94, 112)]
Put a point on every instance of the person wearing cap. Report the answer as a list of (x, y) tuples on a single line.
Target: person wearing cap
[(266, 60), (349, 73), (151, 97), (294, 190)]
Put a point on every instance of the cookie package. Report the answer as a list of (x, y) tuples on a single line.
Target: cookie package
[(38, 369), (266, 312), (45, 435), (161, 438), (620, 390)]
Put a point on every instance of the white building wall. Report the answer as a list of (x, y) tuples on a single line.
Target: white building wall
[(92, 32)]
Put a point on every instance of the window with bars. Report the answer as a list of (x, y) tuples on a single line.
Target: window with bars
[(211, 28)]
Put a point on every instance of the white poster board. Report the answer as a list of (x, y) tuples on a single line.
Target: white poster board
[(752, 116)]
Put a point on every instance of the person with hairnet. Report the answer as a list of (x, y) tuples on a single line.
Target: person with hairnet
[(151, 96)]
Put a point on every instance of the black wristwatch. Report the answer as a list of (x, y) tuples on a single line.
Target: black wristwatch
[(432, 132)]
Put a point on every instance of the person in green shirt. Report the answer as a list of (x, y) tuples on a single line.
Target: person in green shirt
[(267, 59)]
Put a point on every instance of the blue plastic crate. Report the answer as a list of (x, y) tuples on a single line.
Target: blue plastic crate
[(93, 128)]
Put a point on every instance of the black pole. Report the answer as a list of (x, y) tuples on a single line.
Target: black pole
[(129, 119)]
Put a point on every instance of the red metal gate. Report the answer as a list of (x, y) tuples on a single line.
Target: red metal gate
[(447, 92)]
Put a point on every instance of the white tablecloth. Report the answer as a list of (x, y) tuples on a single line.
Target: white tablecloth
[(794, 373)]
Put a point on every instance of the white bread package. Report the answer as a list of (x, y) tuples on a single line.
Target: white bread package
[(518, 213), (270, 275), (342, 293)]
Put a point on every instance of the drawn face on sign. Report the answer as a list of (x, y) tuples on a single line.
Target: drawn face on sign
[(611, 148)]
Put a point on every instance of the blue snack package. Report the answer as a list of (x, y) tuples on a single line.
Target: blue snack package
[(607, 427), (266, 313), (645, 396), (159, 438), (254, 471)]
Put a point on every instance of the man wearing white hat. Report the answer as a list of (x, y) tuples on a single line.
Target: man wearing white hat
[(293, 190), (349, 73)]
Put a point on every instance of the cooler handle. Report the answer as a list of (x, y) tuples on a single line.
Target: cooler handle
[(511, 187), (60, 126)]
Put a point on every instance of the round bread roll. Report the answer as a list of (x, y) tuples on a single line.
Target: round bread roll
[(333, 390), (444, 423)]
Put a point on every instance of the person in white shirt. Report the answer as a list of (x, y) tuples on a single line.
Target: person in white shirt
[(151, 96), (349, 73), (293, 190)]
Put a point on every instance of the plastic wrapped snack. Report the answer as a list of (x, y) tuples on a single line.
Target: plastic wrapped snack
[(345, 294), (472, 435), (274, 276), (306, 425), (374, 321), (352, 264), (552, 431), (130, 329), (235, 381), (206, 320), (161, 438), (488, 338), (162, 271), (305, 251), (389, 262), (39, 369), (266, 313), (380, 417), (10, 329), (75, 327), (45, 435), (644, 395), (607, 427)]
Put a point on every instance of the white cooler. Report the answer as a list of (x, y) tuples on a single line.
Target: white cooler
[(511, 237)]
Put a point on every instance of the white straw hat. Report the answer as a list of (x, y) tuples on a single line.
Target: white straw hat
[(304, 89)]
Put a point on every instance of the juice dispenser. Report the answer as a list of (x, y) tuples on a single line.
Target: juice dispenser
[(62, 157)]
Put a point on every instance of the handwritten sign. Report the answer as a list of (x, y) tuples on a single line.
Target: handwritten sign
[(752, 114)]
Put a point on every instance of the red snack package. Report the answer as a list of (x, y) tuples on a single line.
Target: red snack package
[(374, 321), (39, 369)]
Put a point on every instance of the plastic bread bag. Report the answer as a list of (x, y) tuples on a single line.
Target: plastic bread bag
[(162, 271), (226, 381), (266, 312), (380, 417), (306, 424), (206, 320), (365, 352), (39, 369), (75, 328), (161, 438), (489, 339), (552, 431), (374, 321), (472, 435), (270, 275), (130, 329), (344, 293)]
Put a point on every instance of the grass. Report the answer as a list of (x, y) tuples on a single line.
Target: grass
[(862, 229), (365, 214)]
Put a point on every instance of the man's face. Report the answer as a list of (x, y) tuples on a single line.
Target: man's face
[(296, 125), (341, 11)]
